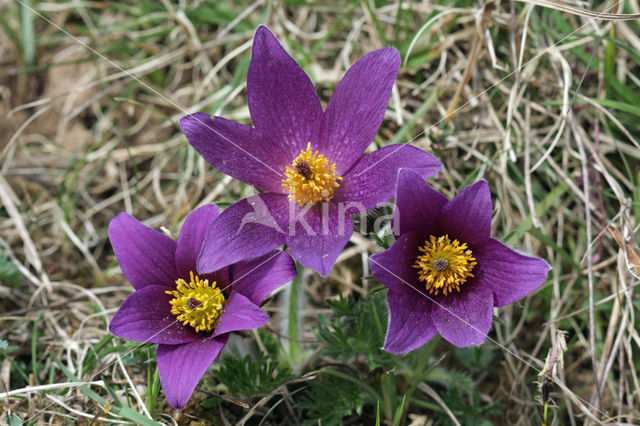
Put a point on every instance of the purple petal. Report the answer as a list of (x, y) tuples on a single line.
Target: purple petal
[(509, 274), (239, 313), (316, 235), (465, 318), (356, 108), (282, 100), (237, 150), (410, 321), (249, 228), (417, 205), (182, 366), (468, 216), (145, 316), (146, 256), (372, 179), (191, 238), (258, 278), (394, 266)]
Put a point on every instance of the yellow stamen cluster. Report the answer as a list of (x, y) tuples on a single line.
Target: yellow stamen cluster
[(311, 179), (444, 265), (196, 303)]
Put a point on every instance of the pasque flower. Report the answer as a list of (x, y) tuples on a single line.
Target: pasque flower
[(309, 162), (445, 273), (188, 314)]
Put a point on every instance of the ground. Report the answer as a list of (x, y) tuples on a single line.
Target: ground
[(540, 99)]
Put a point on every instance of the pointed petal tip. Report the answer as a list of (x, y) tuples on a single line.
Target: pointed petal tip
[(263, 30), (402, 347), (410, 321), (466, 344), (264, 37), (192, 235), (468, 215), (393, 349), (466, 320), (145, 255), (510, 273), (282, 99), (386, 56), (409, 176), (393, 55), (481, 185), (119, 220), (182, 366), (187, 122)]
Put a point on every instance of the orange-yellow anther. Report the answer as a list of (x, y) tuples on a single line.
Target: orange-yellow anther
[(444, 265), (196, 303), (311, 179)]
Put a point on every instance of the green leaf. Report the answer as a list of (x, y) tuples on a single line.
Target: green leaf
[(9, 273), (124, 411), (397, 418), (14, 420), (248, 377), (405, 132), (329, 400), (356, 329), (609, 103), (475, 358), (628, 92), (294, 326), (153, 387), (28, 33), (610, 58), (549, 200)]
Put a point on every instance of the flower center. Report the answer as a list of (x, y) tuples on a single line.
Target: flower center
[(311, 178), (196, 303), (444, 265)]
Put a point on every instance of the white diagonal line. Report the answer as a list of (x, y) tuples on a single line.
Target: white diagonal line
[(260, 161), (90, 379), (544, 52), (432, 300), (104, 58)]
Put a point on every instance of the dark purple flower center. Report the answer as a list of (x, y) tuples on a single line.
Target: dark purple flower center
[(440, 264), (304, 169), (193, 303)]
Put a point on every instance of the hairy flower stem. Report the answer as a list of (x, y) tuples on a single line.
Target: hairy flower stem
[(153, 385), (295, 294)]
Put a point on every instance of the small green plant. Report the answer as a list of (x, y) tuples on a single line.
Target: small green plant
[(9, 273), (356, 330), (249, 377), (329, 399)]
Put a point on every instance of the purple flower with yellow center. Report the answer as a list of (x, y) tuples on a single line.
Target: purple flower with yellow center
[(309, 161), (188, 314), (445, 273)]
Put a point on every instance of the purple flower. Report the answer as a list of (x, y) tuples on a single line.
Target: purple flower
[(444, 272), (188, 314), (308, 161)]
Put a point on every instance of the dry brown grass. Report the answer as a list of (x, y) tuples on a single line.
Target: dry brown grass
[(87, 135)]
